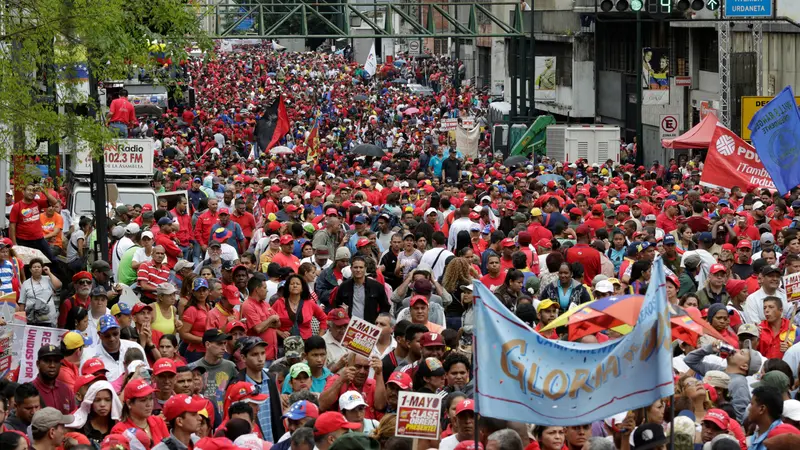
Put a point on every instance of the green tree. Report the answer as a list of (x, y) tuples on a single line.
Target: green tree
[(40, 38)]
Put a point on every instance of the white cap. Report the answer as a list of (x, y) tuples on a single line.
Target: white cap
[(758, 205), (430, 210), (351, 400), (650, 218), (274, 237), (286, 199), (147, 234), (791, 410), (605, 287), (486, 197), (132, 228)]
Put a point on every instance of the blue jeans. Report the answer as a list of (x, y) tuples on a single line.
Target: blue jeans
[(188, 251), (121, 128), (198, 253)]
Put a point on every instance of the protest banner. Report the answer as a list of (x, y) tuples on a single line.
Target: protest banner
[(731, 161), (551, 382), (775, 132), (418, 415), (792, 284), (449, 124), (467, 141), (360, 337), (33, 338)]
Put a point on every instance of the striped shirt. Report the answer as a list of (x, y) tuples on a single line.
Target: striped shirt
[(152, 274), (6, 277)]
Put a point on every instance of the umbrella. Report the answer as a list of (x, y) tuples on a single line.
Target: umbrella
[(368, 150), (399, 62), (411, 111), (518, 159), (400, 81), (280, 150), (148, 110), (26, 254), (360, 98), (599, 315), (546, 178), (693, 314)]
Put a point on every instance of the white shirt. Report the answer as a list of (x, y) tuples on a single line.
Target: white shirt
[(792, 357), (706, 261), (228, 253), (92, 329), (140, 256), (449, 443), (754, 306), (311, 260), (116, 368), (122, 246), (460, 224), (431, 256), (334, 348)]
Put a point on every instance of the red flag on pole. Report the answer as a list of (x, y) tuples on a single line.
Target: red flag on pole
[(282, 127)]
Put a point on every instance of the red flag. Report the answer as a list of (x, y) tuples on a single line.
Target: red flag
[(282, 127), (312, 143), (733, 162)]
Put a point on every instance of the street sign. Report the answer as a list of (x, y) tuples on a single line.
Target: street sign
[(750, 105), (670, 126), (683, 81), (748, 8), (414, 47)]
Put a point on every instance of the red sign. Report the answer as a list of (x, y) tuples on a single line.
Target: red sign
[(683, 81), (733, 162), (360, 337), (418, 415)]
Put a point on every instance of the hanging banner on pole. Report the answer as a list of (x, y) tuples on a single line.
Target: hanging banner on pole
[(655, 76), (371, 65), (731, 161), (545, 72), (775, 132)]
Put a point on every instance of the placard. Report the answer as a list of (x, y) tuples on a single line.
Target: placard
[(792, 283), (360, 337), (418, 415), (468, 122), (449, 124), (33, 339)]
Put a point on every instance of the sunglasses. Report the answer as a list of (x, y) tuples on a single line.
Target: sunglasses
[(84, 283)]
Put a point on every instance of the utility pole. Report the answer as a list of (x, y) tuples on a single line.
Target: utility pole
[(98, 177), (639, 83)]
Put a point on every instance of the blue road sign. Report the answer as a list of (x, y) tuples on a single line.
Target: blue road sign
[(748, 8)]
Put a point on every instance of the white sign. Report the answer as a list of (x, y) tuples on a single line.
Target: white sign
[(123, 157), (33, 339), (418, 415), (449, 124), (414, 47), (670, 126), (468, 122)]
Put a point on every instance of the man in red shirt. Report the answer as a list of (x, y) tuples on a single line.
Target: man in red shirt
[(152, 273), (777, 332), (585, 255), (595, 220), (206, 220), (53, 393), (667, 220), (285, 258), (355, 377), (184, 227), (536, 229), (245, 220), (82, 281), (259, 317), (165, 238), (25, 227), (122, 114)]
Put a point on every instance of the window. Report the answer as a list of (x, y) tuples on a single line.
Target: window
[(708, 49), (440, 46)]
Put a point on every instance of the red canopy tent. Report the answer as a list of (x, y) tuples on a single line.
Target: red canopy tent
[(698, 137)]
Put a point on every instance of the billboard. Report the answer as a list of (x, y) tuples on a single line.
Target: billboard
[(545, 72), (750, 105), (655, 76)]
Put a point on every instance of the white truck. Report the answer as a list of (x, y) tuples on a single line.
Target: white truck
[(128, 167), (593, 143)]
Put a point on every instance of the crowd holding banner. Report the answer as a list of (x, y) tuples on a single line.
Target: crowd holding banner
[(356, 269)]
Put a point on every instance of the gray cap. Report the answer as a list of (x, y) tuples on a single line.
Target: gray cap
[(99, 291), (122, 209), (101, 265), (47, 418), (117, 232), (692, 261), (166, 289), (767, 237), (342, 253), (182, 264)]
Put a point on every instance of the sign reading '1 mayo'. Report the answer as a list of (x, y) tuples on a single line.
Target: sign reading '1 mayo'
[(123, 157)]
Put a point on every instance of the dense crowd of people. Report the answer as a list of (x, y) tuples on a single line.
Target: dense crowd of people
[(245, 288)]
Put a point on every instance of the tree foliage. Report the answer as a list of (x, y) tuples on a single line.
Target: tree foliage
[(39, 38)]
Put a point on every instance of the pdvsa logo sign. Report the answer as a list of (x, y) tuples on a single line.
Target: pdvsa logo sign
[(726, 145)]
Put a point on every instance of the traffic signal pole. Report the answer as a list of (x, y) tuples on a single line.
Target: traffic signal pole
[(639, 83)]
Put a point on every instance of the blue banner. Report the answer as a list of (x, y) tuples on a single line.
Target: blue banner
[(523, 376), (775, 133)]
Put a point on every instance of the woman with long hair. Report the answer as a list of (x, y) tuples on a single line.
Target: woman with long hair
[(409, 257), (194, 321), (692, 389), (13, 440), (295, 309), (186, 292), (565, 289), (137, 412), (511, 290), (457, 274), (550, 437), (37, 295), (449, 405), (9, 280), (168, 347), (685, 240), (78, 321), (640, 276), (99, 411)]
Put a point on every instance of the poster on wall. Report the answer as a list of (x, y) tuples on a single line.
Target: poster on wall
[(545, 79), (655, 76)]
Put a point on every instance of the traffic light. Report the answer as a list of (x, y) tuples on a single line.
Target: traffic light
[(658, 6)]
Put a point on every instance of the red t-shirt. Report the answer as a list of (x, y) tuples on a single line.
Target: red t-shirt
[(158, 429), (26, 216), (289, 261), (588, 257), (367, 391), (492, 282), (255, 312), (198, 317)]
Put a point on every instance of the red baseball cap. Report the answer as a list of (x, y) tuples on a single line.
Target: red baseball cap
[(275, 188), (624, 209), (669, 203), (338, 316), (115, 441), (139, 307), (224, 211), (331, 212), (577, 211), (316, 193), (291, 208), (231, 294), (164, 365), (717, 268), (431, 340), (244, 391), (362, 242), (287, 239), (83, 380), (274, 225), (544, 243), (597, 209), (217, 443), (418, 298), (332, 421), (511, 205), (584, 230), (551, 184), (465, 405), (745, 243), (182, 403), (508, 242), (92, 366), (235, 324), (401, 379), (718, 417), (138, 388)]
